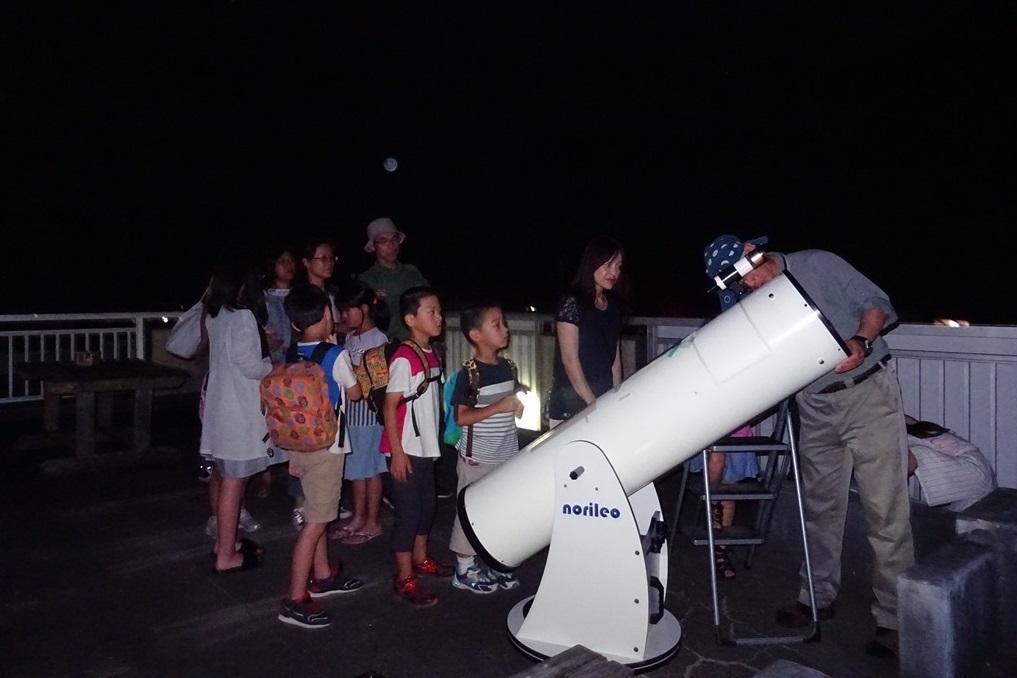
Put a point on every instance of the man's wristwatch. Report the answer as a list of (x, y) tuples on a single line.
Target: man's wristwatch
[(866, 344)]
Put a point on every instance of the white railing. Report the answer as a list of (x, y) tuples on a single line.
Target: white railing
[(962, 377), (58, 336)]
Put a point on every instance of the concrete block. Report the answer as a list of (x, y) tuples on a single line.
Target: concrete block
[(992, 522), (945, 611), (931, 528), (782, 668)]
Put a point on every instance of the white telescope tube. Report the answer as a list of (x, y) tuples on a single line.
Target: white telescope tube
[(759, 352)]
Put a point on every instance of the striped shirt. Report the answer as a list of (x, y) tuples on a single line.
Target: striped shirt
[(951, 471), (494, 439)]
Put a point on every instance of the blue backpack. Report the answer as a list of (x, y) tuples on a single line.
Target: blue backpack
[(453, 431)]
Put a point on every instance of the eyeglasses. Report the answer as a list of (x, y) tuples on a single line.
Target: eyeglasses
[(325, 259)]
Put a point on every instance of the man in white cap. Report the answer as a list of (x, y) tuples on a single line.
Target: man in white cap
[(388, 276)]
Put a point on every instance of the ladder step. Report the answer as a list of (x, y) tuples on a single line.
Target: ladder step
[(736, 535), (753, 541), (727, 496)]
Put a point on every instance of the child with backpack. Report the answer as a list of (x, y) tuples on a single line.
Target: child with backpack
[(411, 413), (362, 312), (484, 405), (303, 402)]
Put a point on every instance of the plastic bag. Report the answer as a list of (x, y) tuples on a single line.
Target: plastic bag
[(185, 337)]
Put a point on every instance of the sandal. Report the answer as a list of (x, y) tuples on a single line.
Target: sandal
[(337, 532), (716, 515), (722, 562), (251, 561), (358, 537)]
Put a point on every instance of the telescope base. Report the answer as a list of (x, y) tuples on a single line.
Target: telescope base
[(662, 641)]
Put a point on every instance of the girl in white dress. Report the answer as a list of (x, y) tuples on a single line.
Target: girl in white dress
[(233, 432)]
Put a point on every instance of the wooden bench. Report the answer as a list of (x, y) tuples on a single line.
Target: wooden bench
[(85, 382)]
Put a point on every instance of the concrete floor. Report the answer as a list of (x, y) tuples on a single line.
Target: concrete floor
[(106, 573)]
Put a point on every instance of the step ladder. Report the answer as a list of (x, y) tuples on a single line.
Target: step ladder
[(780, 455)]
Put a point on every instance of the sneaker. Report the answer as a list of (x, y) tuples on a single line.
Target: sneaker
[(432, 567), (305, 613), (474, 579), (409, 590), (247, 522), (297, 519), (212, 527), (504, 580), (336, 584)]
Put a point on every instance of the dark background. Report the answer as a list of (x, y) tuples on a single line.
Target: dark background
[(142, 141)]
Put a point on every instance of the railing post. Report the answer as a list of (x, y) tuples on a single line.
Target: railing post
[(139, 337)]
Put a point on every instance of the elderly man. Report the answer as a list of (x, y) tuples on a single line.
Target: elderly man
[(852, 421)]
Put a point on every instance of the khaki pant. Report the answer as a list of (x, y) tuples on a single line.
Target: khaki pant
[(859, 429), (468, 472), (321, 479)]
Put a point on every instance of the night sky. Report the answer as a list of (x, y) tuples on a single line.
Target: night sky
[(141, 142)]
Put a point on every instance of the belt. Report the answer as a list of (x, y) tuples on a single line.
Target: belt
[(853, 381)]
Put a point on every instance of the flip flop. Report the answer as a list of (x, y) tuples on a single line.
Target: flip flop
[(245, 544), (358, 537), (250, 562), (337, 533)]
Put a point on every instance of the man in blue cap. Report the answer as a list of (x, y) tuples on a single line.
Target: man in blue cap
[(722, 253), (852, 423)]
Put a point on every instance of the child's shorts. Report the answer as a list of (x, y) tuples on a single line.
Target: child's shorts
[(320, 475), (364, 461)]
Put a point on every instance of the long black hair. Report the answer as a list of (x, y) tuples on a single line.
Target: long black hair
[(236, 284), (598, 252)]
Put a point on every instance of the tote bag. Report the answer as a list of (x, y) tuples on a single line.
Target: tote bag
[(185, 336)]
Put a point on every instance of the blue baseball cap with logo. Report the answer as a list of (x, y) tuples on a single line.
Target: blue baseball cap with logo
[(721, 253)]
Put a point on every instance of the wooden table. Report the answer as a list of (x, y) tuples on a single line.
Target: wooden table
[(65, 378)]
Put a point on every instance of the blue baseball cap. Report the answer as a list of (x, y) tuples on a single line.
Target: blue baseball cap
[(723, 251)]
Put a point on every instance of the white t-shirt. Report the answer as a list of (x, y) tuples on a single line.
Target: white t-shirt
[(342, 374), (405, 373)]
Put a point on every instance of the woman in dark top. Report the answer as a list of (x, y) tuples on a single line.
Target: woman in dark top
[(587, 362)]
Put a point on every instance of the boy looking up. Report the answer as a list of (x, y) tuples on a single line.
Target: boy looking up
[(412, 415), (485, 405)]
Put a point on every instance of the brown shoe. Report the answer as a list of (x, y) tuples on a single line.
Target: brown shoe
[(885, 644), (797, 616)]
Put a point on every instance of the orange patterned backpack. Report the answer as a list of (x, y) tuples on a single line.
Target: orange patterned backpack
[(296, 404), (372, 376)]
